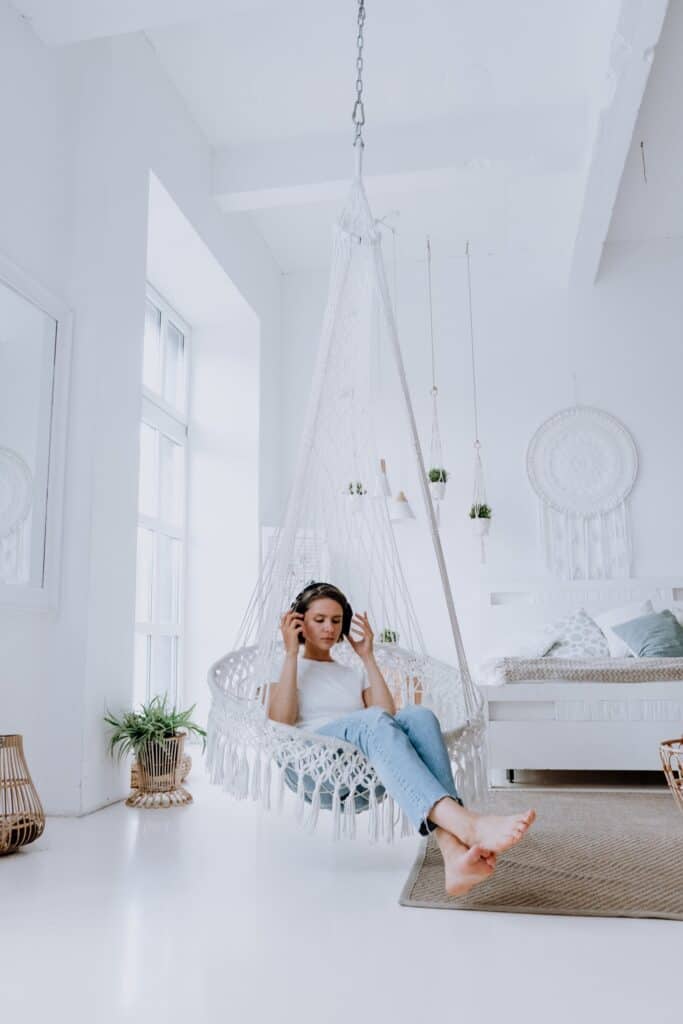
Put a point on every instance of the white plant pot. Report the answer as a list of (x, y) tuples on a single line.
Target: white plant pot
[(438, 489), (481, 526)]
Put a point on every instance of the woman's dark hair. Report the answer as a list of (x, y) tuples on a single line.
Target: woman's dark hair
[(313, 592)]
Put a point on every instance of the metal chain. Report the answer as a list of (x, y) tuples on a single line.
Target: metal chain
[(358, 114)]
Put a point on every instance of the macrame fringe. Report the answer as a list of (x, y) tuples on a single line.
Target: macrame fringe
[(252, 773)]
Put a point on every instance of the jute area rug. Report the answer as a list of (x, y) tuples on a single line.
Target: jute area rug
[(600, 854)]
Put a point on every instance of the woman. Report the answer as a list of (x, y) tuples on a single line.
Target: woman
[(405, 747)]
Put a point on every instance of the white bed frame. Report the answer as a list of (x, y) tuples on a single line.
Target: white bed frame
[(573, 726)]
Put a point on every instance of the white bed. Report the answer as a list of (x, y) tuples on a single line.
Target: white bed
[(586, 725)]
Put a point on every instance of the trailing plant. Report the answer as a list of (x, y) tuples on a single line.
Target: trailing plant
[(150, 724), (480, 512), (357, 488), (437, 475), (388, 636)]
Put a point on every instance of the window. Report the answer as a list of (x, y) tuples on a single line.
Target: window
[(162, 502)]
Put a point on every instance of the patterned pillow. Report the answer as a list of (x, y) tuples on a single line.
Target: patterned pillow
[(581, 637)]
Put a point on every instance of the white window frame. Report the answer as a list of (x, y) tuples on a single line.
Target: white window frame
[(169, 421)]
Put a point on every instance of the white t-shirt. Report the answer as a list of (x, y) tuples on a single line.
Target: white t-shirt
[(328, 690)]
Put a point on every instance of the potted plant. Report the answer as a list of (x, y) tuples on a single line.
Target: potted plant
[(356, 491), (480, 514), (155, 734), (437, 482), (388, 636)]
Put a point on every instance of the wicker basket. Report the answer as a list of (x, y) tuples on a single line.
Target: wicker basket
[(671, 753), (22, 818), (158, 770)]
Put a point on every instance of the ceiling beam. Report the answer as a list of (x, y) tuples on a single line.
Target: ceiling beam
[(633, 47), (290, 172)]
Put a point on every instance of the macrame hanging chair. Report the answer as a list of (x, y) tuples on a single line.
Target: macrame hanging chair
[(480, 510), (338, 531)]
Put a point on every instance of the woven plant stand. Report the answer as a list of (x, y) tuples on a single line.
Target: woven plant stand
[(183, 771), (159, 768), (22, 818), (671, 753)]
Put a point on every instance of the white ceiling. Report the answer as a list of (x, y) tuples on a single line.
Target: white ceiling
[(504, 123), (654, 209)]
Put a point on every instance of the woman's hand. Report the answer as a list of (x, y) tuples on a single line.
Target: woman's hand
[(361, 636), (291, 625)]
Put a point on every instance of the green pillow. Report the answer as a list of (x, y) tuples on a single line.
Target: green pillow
[(658, 635)]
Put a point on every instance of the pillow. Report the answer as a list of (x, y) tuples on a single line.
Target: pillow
[(534, 645), (580, 637), (659, 635), (627, 612)]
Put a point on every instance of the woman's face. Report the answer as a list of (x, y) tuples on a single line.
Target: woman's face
[(323, 623)]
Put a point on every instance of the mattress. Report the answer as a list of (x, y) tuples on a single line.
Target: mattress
[(581, 670)]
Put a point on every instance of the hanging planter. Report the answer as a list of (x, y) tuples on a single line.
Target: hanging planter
[(356, 492), (437, 482), (480, 516), (437, 474), (480, 510)]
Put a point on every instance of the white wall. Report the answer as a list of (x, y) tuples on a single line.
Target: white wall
[(84, 126), (625, 350)]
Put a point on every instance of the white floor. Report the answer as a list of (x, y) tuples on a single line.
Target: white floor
[(217, 913)]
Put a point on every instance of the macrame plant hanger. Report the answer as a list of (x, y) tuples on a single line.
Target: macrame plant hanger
[(480, 511), (326, 536), (438, 475)]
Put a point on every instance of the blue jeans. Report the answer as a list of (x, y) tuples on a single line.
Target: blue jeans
[(408, 753)]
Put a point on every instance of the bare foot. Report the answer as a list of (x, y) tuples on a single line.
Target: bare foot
[(463, 868), (497, 832)]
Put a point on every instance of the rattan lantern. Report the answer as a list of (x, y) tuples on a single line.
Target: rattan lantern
[(671, 753), (22, 818)]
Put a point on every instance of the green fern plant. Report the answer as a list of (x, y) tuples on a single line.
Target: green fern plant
[(153, 722), (437, 475), (480, 512)]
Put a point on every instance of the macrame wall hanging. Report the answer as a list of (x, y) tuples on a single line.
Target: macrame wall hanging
[(438, 474), (480, 510), (350, 543), (16, 496), (582, 463)]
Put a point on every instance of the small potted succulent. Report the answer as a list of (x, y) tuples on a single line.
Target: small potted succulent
[(388, 636), (155, 735), (437, 482), (480, 514), (356, 491)]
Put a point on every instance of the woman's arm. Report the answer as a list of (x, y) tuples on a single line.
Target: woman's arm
[(283, 704), (378, 694)]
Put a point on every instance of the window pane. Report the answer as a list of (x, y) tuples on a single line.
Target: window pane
[(148, 488), (174, 367), (164, 667), (170, 555), (172, 464), (151, 361), (141, 668), (144, 575)]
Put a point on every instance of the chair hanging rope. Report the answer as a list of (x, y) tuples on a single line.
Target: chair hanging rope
[(336, 527)]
